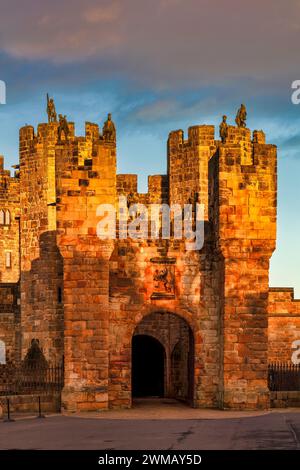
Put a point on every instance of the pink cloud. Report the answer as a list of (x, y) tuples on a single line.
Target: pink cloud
[(159, 42), (103, 14)]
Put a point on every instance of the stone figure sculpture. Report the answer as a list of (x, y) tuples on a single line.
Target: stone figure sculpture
[(51, 111), (241, 116), (224, 130), (63, 127), (109, 130)]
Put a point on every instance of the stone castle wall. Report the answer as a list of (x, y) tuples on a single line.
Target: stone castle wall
[(284, 324), (9, 266), (9, 225), (85, 298), (10, 332)]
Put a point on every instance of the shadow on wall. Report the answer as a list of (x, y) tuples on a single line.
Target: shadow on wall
[(42, 301), (9, 323)]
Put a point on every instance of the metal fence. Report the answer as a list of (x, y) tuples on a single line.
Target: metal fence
[(284, 377), (34, 378), (31, 378)]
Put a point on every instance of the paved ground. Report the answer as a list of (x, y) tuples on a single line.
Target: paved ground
[(156, 426)]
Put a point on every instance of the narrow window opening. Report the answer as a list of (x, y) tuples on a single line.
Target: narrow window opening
[(59, 295), (8, 259), (7, 218)]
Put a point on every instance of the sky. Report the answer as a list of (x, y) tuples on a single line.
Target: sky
[(156, 66)]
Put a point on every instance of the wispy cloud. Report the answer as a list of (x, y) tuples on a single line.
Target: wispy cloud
[(100, 14), (162, 43)]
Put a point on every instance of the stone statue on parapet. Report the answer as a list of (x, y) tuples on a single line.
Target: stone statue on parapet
[(63, 127), (224, 130), (241, 116), (109, 130), (51, 111)]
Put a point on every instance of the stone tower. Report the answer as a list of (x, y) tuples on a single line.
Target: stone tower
[(243, 182)]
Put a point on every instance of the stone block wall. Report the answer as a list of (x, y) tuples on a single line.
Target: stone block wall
[(284, 324), (127, 184), (9, 225), (10, 333), (9, 264), (50, 403), (133, 267), (285, 399), (134, 295), (85, 178), (158, 189), (188, 164)]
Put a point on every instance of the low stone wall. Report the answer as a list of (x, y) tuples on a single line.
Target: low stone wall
[(285, 399), (9, 322), (29, 403), (283, 324)]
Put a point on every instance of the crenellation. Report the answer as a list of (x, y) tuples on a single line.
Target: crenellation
[(158, 192), (9, 225), (284, 324), (127, 183), (201, 135), (188, 165), (259, 137), (175, 140), (158, 189), (26, 133), (92, 132)]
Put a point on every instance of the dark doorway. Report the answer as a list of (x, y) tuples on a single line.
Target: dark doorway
[(148, 364)]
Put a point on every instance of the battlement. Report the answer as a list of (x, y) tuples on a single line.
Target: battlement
[(9, 225), (6, 180), (49, 131), (197, 135), (3, 172), (280, 295), (92, 131), (187, 158), (66, 164), (205, 135), (158, 191), (127, 183), (85, 167)]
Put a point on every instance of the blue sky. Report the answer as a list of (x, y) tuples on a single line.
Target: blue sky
[(158, 66)]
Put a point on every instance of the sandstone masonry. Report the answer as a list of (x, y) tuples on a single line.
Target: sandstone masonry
[(85, 299)]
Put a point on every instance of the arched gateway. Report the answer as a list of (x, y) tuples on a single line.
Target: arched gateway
[(163, 357)]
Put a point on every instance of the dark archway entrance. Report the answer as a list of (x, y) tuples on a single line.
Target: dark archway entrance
[(163, 358), (148, 367)]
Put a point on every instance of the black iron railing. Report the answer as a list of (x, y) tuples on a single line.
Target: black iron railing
[(284, 377), (31, 378)]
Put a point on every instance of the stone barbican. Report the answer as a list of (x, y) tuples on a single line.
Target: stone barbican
[(144, 317)]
